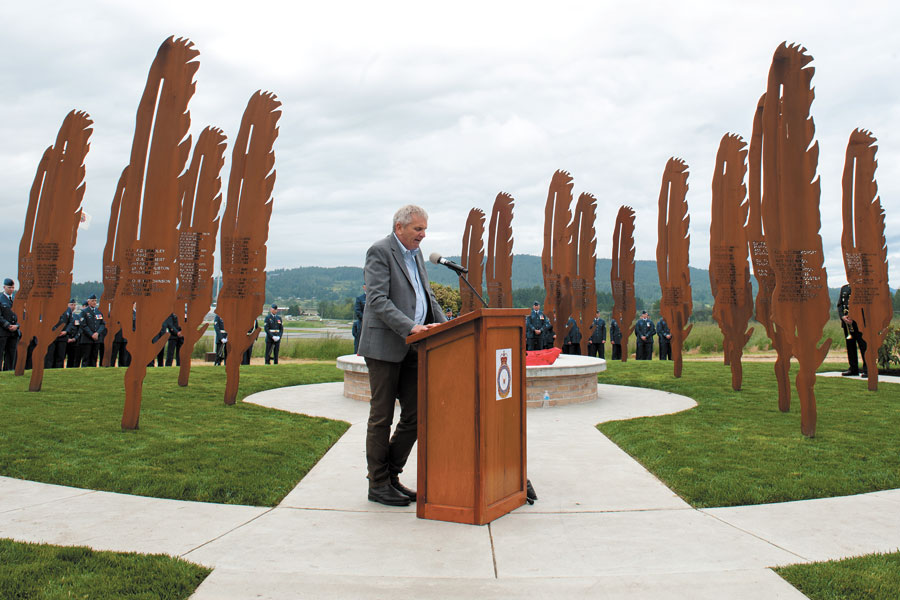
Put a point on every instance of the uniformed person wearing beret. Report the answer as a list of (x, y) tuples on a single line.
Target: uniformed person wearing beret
[(9, 327), (274, 330), (597, 341), (535, 324), (665, 339), (615, 338), (93, 332), (644, 330)]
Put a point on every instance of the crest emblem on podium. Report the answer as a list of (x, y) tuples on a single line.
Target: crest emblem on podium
[(504, 373)]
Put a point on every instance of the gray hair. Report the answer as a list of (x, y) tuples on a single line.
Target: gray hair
[(406, 214)]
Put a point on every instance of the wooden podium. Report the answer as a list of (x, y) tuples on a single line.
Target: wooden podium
[(471, 415)]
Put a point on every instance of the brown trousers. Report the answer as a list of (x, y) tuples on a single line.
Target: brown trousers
[(386, 454)]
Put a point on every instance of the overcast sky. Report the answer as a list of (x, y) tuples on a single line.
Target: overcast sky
[(446, 104)]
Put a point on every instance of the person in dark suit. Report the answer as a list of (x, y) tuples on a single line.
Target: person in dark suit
[(644, 330), (665, 339), (359, 308), (93, 331), (176, 340), (548, 336), (572, 342), (597, 341), (615, 338), (855, 343), (221, 339), (274, 330), (248, 353), (399, 302), (120, 354), (56, 353), (73, 333), (9, 327), (535, 323)]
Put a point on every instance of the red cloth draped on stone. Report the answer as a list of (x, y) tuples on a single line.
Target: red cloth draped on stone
[(535, 358)]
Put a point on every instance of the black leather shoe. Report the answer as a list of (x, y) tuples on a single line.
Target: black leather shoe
[(850, 373), (407, 493), (386, 494), (863, 373)]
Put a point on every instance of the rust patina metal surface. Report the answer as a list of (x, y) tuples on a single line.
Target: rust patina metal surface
[(557, 255), (112, 260), (472, 257), (201, 198), (729, 270), (498, 267), (621, 275), (245, 230), (151, 209), (47, 247), (672, 249), (584, 277), (762, 270), (864, 247), (790, 216)]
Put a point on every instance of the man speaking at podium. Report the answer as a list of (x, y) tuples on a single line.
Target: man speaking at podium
[(399, 302)]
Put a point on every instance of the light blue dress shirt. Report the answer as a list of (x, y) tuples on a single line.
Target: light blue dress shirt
[(409, 257)]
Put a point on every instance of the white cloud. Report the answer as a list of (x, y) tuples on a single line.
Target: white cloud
[(444, 106)]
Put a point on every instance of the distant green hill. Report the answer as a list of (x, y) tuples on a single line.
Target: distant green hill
[(339, 283)]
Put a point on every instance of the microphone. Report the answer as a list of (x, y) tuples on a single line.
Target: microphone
[(440, 260)]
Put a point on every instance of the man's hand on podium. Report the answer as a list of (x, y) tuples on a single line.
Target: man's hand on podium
[(421, 328)]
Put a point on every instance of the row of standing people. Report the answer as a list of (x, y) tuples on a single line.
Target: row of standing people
[(82, 333), (274, 330), (540, 336)]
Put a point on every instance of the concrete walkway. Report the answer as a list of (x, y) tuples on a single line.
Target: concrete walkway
[(603, 526)]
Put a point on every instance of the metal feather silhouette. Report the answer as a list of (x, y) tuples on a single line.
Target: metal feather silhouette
[(762, 270), (864, 247), (621, 275), (790, 215), (201, 195), (557, 254), (672, 250), (729, 271), (472, 257), (498, 267), (245, 229), (54, 211), (584, 276), (112, 260), (151, 209)]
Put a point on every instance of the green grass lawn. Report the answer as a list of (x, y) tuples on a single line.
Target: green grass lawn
[(190, 446), (44, 572), (737, 448), (871, 577)]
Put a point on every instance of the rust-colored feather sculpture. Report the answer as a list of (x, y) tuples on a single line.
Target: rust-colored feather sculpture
[(621, 275), (790, 215), (557, 254), (472, 257), (201, 198), (26, 257), (498, 267), (729, 271), (245, 229), (672, 250), (151, 209), (762, 270), (864, 247), (584, 277), (112, 259), (54, 211)]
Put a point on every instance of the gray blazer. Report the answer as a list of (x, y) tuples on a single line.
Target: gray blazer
[(391, 302)]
